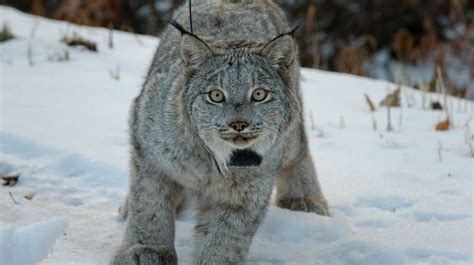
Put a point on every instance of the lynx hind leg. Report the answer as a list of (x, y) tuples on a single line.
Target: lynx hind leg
[(298, 188)]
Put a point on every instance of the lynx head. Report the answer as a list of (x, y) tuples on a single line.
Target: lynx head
[(240, 97)]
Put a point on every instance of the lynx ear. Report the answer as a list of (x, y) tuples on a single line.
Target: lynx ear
[(194, 51), (281, 51)]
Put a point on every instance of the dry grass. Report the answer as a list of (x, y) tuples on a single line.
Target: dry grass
[(370, 103), (81, 42), (392, 99), (404, 46), (351, 60), (89, 12), (6, 33)]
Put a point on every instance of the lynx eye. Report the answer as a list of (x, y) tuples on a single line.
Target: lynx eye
[(259, 94), (216, 96)]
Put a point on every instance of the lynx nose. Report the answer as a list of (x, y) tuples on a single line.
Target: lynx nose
[(239, 125)]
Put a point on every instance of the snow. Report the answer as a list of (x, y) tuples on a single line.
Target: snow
[(399, 197), (18, 247)]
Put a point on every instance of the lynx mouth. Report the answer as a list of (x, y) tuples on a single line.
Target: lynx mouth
[(244, 158), (240, 141)]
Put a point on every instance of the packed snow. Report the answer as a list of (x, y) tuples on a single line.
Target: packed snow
[(397, 197)]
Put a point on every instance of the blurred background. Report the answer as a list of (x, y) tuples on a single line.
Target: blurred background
[(402, 41)]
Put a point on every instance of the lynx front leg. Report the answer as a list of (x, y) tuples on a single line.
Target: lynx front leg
[(298, 188), (225, 227), (149, 233)]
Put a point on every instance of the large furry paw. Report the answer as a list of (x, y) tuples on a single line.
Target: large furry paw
[(308, 204), (145, 255)]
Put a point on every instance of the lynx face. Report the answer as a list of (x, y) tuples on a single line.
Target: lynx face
[(238, 104)]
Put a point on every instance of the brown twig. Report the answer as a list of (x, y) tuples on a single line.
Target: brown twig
[(13, 199), (30, 45), (389, 120), (440, 84), (370, 103), (313, 127), (111, 36)]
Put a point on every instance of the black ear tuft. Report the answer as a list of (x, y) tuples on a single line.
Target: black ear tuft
[(175, 25), (194, 51), (281, 51), (295, 28)]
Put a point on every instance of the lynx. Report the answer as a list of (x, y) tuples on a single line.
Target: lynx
[(219, 118)]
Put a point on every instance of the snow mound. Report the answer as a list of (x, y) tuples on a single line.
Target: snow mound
[(29, 244)]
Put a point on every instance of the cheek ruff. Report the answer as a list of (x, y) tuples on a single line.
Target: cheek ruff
[(244, 158)]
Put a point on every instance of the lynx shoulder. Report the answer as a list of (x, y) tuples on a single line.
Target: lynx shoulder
[(219, 119)]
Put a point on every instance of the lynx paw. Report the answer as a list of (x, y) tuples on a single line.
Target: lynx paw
[(145, 255), (318, 206)]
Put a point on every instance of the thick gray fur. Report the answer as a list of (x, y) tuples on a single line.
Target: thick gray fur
[(182, 142)]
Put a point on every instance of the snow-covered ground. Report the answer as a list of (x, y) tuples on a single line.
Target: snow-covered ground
[(400, 197)]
